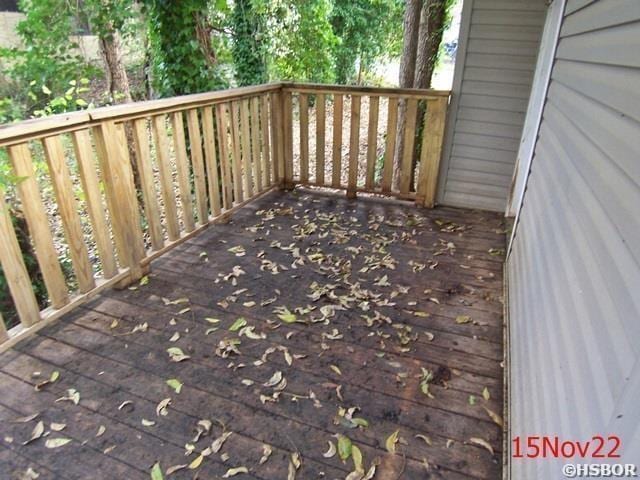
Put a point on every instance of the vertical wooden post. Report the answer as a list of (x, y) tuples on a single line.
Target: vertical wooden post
[(236, 170), (4, 335), (113, 156), (68, 211), (372, 142), (406, 165), (320, 137), (225, 168), (91, 187), (287, 119), (38, 223), (211, 160), (15, 272), (145, 171), (166, 176), (432, 139), (390, 146), (266, 149), (195, 146), (255, 143), (336, 169), (354, 146), (277, 144), (304, 137), (182, 170)]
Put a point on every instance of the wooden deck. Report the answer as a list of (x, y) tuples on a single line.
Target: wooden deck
[(403, 289)]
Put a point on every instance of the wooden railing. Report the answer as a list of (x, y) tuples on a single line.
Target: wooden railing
[(106, 191), (372, 162)]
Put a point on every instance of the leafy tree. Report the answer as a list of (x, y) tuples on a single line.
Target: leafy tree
[(182, 54), (304, 41), (49, 60), (367, 30), (250, 41)]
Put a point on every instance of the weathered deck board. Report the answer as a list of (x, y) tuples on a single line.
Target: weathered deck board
[(97, 352)]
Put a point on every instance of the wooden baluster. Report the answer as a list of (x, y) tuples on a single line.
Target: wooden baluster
[(372, 143), (225, 167), (277, 137), (237, 167), (182, 170), (406, 167), (255, 144), (354, 146), (91, 187), (15, 272), (38, 224), (432, 138), (68, 211), (303, 101), (336, 179), (287, 121), (4, 335), (145, 172), (195, 145), (246, 148), (390, 145), (113, 156), (266, 150), (320, 136), (166, 177), (211, 160)]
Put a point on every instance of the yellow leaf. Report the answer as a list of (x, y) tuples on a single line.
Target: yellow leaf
[(391, 442)]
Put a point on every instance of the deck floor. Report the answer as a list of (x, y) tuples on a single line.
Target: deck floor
[(398, 329)]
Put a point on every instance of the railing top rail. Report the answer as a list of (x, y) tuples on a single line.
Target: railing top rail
[(64, 122), (356, 89), (19, 132)]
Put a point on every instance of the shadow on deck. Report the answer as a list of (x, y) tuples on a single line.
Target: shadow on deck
[(381, 291)]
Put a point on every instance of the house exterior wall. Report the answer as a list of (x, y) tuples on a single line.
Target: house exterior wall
[(499, 42), (574, 266)]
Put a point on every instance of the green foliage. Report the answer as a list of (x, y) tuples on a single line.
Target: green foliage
[(49, 57), (251, 41), (182, 59), (367, 30), (106, 16), (304, 41)]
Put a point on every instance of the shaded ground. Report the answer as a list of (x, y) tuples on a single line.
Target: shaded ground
[(304, 317)]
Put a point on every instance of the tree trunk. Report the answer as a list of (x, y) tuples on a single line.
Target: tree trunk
[(432, 22), (432, 19), (117, 79), (407, 74), (118, 85)]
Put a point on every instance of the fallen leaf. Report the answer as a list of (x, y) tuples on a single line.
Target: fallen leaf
[(274, 380), (56, 442), (485, 394), (266, 453), (175, 384), (391, 442), (161, 409), (218, 442), (156, 472), (37, 432), (331, 451), (345, 447), (463, 319), (335, 369), (176, 354), (232, 472), (481, 442), (101, 430), (57, 427), (196, 462), (494, 416), (238, 324)]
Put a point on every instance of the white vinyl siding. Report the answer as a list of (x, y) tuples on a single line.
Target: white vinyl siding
[(574, 268), (495, 69)]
